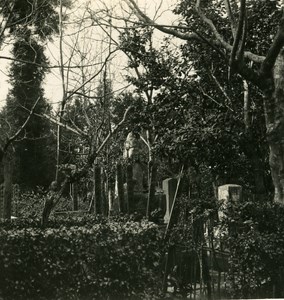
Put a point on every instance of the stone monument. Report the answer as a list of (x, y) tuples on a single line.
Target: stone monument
[(133, 150), (228, 193), (169, 188)]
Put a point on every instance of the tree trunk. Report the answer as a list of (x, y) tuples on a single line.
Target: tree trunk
[(252, 148), (51, 200), (120, 190), (152, 176), (97, 190), (256, 157), (8, 189), (130, 187), (274, 113), (75, 196)]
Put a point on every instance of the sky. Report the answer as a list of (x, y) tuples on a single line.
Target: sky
[(94, 49)]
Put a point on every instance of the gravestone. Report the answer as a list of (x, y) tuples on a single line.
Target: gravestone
[(138, 175), (228, 193), (169, 188), (133, 147)]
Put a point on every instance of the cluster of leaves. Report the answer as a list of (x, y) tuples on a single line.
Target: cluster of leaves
[(256, 249), (195, 111), (193, 214), (252, 236), (41, 14), (30, 203), (114, 259)]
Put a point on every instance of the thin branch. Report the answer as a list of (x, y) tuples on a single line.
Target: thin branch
[(221, 89), (92, 77), (212, 99), (100, 97), (5, 22), (57, 122), (219, 41), (145, 142), (142, 17), (45, 65), (20, 130), (231, 17), (116, 128)]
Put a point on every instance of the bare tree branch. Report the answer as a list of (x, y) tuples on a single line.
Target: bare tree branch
[(92, 77), (239, 37), (221, 89), (231, 16), (62, 125), (219, 41), (212, 99), (11, 139), (47, 66), (116, 128)]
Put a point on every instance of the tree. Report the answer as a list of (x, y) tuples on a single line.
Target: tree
[(19, 16), (34, 145), (20, 20), (203, 22), (151, 72)]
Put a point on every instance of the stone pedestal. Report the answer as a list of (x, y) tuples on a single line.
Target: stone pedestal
[(229, 193), (169, 188)]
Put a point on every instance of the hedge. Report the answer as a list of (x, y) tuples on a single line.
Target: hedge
[(111, 260)]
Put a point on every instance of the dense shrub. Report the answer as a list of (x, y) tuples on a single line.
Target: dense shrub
[(256, 249), (249, 237), (30, 203), (115, 260)]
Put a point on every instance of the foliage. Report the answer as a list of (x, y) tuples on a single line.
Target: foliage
[(30, 23), (193, 214), (256, 250), (114, 259), (195, 112), (40, 14), (250, 233), (34, 146)]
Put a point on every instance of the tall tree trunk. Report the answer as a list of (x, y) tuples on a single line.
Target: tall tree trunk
[(97, 190), (252, 147), (8, 188), (254, 154), (120, 190), (51, 200), (130, 187), (75, 196), (274, 112), (152, 178)]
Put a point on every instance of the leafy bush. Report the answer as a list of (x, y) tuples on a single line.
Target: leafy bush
[(30, 203), (115, 259), (256, 249)]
